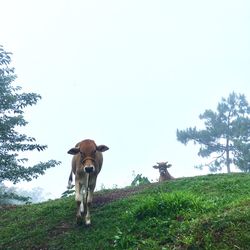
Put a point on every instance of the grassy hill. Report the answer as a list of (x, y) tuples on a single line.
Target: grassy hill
[(206, 212)]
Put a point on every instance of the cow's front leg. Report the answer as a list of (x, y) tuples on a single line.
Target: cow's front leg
[(89, 199), (79, 200)]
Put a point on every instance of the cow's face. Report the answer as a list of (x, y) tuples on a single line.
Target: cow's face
[(87, 150), (162, 166)]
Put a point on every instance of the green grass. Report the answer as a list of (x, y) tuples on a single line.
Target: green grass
[(206, 212)]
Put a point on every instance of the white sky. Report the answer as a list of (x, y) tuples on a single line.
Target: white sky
[(126, 74)]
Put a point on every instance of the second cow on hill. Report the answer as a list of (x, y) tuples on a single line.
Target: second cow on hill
[(163, 169)]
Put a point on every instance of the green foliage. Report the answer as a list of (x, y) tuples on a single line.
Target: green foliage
[(68, 192), (226, 136), (12, 143), (242, 155), (139, 180), (205, 212)]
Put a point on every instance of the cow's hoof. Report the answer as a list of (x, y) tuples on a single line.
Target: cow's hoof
[(87, 223), (79, 221)]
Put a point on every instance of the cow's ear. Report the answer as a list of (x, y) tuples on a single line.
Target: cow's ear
[(155, 166), (102, 148), (74, 151)]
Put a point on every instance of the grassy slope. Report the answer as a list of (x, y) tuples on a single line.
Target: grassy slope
[(207, 212)]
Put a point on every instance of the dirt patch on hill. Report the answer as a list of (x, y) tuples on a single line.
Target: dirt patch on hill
[(103, 197), (8, 207)]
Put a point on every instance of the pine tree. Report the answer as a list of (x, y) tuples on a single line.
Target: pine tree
[(13, 167), (226, 137)]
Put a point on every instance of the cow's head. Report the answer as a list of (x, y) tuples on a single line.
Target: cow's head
[(162, 166), (87, 150)]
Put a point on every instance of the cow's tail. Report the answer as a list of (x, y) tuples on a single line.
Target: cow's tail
[(70, 181)]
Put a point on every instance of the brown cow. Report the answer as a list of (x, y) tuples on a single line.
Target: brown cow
[(86, 165), (164, 174)]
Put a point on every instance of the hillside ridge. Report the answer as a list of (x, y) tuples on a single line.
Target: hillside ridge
[(202, 212)]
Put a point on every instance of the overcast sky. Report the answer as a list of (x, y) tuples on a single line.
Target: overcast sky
[(126, 74)]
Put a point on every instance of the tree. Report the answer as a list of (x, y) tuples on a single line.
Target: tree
[(13, 143), (226, 137)]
